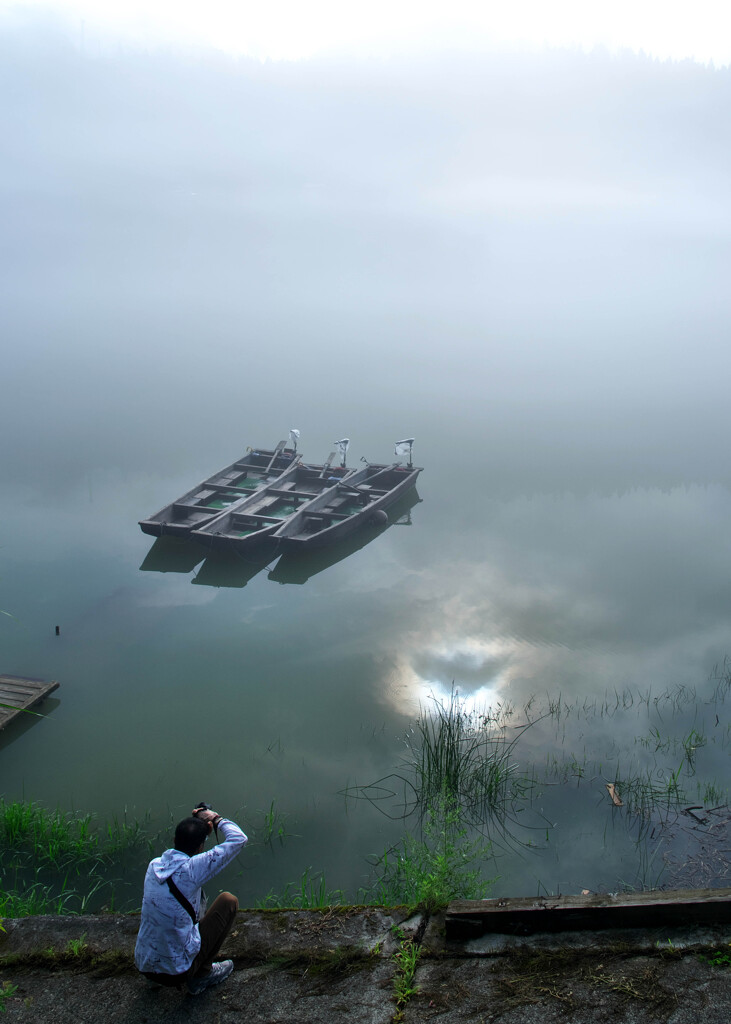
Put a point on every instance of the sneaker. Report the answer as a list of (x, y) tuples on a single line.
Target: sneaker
[(218, 973)]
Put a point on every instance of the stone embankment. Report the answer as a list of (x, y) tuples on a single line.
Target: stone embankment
[(370, 966)]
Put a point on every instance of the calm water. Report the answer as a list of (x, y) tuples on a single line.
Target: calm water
[(564, 370)]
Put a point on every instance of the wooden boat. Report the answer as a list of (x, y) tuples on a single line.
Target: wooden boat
[(361, 498), (298, 566), (228, 487), (251, 522)]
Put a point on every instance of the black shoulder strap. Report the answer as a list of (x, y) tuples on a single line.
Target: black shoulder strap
[(184, 903)]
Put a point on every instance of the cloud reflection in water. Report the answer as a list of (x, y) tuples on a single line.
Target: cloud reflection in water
[(579, 594)]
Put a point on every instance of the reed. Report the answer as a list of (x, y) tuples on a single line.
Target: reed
[(463, 760)]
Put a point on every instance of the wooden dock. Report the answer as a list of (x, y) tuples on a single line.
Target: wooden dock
[(528, 915), (21, 694)]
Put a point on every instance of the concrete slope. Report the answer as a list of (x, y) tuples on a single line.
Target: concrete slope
[(348, 964)]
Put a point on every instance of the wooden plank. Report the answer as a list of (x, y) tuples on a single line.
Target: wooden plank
[(526, 915), (22, 693)]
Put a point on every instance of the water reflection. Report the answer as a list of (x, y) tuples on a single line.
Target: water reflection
[(234, 569), (228, 569), (22, 723), (172, 554)]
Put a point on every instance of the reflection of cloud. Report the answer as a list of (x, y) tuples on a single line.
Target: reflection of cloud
[(473, 662), (477, 669), (579, 595)]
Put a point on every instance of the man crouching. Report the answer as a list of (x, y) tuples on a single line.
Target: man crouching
[(175, 945)]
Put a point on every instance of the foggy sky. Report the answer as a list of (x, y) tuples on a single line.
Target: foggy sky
[(542, 234)]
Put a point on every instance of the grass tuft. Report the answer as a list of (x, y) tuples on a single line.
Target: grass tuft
[(427, 872)]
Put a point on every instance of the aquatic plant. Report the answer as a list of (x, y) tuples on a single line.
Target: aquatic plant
[(460, 758), (274, 826), (41, 850), (63, 838), (429, 870)]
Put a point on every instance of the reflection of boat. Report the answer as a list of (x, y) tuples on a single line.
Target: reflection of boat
[(250, 522), (229, 569), (172, 554), (227, 487), (299, 566), (359, 500)]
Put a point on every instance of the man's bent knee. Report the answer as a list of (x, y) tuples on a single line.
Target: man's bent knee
[(225, 903)]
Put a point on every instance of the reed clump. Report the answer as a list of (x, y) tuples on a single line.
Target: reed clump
[(463, 758), (458, 758)]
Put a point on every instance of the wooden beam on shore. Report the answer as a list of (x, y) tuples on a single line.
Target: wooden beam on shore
[(21, 694), (528, 915)]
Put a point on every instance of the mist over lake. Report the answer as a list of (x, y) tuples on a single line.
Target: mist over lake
[(522, 260)]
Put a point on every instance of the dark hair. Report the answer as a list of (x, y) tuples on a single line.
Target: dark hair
[(189, 835)]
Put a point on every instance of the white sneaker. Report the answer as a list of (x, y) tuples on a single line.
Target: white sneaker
[(218, 973)]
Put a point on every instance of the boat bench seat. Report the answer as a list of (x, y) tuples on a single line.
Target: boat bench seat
[(253, 519), (282, 492), (315, 522), (185, 508)]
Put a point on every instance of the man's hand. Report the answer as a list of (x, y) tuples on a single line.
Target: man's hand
[(207, 815)]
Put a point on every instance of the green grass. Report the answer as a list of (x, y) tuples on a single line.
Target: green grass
[(439, 865), (405, 961), (422, 871), (58, 862), (718, 958), (62, 839), (77, 946), (7, 990), (310, 893)]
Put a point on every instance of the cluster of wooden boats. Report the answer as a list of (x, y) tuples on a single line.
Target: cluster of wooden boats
[(271, 495)]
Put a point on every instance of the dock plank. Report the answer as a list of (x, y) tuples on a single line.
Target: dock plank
[(22, 693), (526, 915)]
